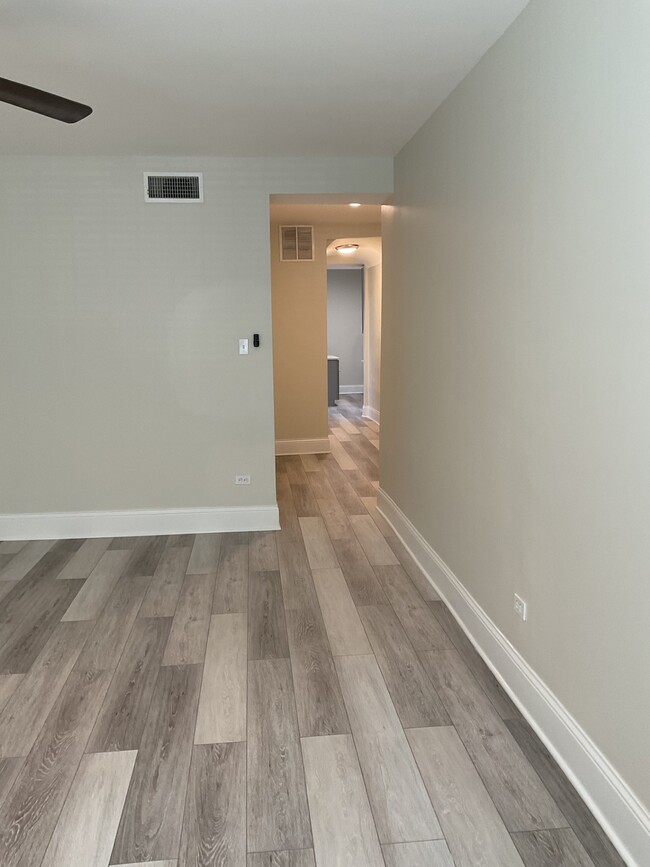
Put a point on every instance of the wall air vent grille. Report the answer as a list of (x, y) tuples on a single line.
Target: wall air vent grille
[(176, 187), (296, 243)]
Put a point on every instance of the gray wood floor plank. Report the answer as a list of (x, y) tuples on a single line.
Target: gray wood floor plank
[(399, 588), (165, 586), (519, 794), (423, 629), (310, 463), (169, 863), (8, 685), (97, 589), (430, 853), (318, 695), (305, 501), (470, 656), (292, 466), (359, 574), (559, 848), (371, 540), (11, 547), (231, 589), (180, 540), (83, 561), (382, 524), (124, 543), (24, 715), (399, 801), (150, 827), (345, 493), (343, 827), (267, 628), (221, 716), (214, 825), (123, 714), (295, 574), (86, 828), (321, 486), (6, 586), (278, 816), (416, 701), (591, 835), (361, 482), (474, 831), (29, 814), (335, 519), (318, 545), (30, 633), (9, 770), (25, 559), (288, 858), (189, 630), (263, 552), (204, 558), (289, 524), (412, 569), (106, 642), (342, 622), (145, 556)]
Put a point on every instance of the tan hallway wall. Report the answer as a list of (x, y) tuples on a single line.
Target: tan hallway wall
[(516, 353)]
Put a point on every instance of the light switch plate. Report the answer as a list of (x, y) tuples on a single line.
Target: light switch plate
[(243, 345)]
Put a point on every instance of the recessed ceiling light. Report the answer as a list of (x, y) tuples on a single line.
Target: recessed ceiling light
[(347, 248), (355, 204)]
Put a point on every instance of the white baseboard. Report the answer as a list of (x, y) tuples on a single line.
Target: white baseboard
[(351, 389), (302, 447), (370, 412), (140, 522), (623, 817)]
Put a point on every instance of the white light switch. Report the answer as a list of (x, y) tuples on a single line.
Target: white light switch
[(243, 346)]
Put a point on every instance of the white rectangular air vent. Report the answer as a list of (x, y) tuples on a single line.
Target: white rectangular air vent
[(173, 187), (296, 243)]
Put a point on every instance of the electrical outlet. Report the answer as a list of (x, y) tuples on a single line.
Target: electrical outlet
[(520, 607), (242, 480)]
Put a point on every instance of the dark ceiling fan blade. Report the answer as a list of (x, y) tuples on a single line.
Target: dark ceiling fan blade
[(42, 102)]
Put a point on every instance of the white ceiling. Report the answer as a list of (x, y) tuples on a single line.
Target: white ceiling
[(240, 77)]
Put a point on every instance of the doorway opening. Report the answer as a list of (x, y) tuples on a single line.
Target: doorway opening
[(307, 273)]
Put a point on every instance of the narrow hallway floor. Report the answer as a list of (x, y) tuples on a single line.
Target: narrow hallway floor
[(297, 698)]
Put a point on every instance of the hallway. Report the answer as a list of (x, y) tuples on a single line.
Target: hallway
[(284, 699)]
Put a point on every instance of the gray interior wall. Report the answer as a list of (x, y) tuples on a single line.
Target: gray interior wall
[(121, 386), (344, 322), (516, 353)]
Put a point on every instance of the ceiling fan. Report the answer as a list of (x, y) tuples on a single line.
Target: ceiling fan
[(42, 102)]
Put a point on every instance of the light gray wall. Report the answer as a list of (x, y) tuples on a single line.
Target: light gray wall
[(516, 353), (120, 382), (344, 322)]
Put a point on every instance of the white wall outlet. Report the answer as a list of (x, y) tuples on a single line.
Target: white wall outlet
[(521, 608), (242, 480), (243, 345)]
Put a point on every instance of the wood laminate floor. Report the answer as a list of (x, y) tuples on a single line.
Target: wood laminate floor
[(289, 699)]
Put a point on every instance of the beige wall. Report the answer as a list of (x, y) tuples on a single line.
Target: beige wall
[(300, 331), (516, 353), (372, 340), (121, 386)]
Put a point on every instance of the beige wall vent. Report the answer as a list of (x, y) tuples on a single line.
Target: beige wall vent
[(296, 243)]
